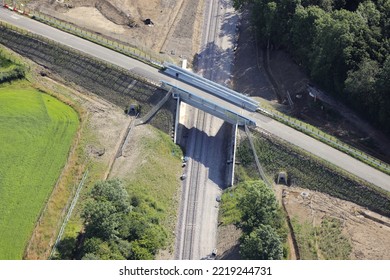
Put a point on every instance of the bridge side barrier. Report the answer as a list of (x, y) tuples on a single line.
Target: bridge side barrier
[(211, 87), (207, 81)]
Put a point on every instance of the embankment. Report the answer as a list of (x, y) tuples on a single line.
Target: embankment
[(114, 84)]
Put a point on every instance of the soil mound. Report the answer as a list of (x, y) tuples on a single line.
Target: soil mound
[(113, 13)]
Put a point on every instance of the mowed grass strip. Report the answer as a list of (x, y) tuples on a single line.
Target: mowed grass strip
[(36, 132)]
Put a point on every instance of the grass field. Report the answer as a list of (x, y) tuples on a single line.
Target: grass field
[(9, 71), (36, 132)]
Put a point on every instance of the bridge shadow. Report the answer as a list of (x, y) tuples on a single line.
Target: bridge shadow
[(214, 152)]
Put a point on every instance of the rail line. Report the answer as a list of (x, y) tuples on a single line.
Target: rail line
[(193, 194), (202, 125)]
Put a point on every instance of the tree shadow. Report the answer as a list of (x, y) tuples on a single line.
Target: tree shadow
[(66, 249), (231, 254)]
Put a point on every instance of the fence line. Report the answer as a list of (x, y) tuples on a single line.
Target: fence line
[(70, 210)]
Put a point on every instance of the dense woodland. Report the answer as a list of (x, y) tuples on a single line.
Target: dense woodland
[(343, 45)]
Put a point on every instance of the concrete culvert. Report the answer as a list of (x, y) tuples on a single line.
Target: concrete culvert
[(282, 178), (133, 109)]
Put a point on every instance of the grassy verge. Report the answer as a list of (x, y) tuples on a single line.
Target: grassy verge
[(156, 180), (252, 207), (10, 70), (36, 132), (308, 172), (306, 239)]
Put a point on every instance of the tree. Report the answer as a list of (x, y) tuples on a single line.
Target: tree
[(119, 227), (339, 46), (96, 249), (114, 192), (303, 32), (258, 206), (383, 91), (263, 243), (360, 84), (105, 210)]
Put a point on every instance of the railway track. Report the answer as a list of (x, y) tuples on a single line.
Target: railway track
[(198, 220), (194, 189)]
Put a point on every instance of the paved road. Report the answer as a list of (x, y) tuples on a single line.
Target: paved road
[(291, 135)]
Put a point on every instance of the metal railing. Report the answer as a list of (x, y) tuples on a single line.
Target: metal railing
[(69, 213)]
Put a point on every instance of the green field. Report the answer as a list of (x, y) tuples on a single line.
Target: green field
[(36, 132)]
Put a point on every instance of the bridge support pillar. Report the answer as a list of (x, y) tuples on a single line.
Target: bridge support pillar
[(234, 133), (177, 117)]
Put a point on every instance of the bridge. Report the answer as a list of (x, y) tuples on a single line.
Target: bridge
[(211, 87), (274, 127), (232, 115)]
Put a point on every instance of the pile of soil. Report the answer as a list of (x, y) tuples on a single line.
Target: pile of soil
[(114, 14)]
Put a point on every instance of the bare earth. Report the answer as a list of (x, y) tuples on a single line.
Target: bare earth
[(131, 158)]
